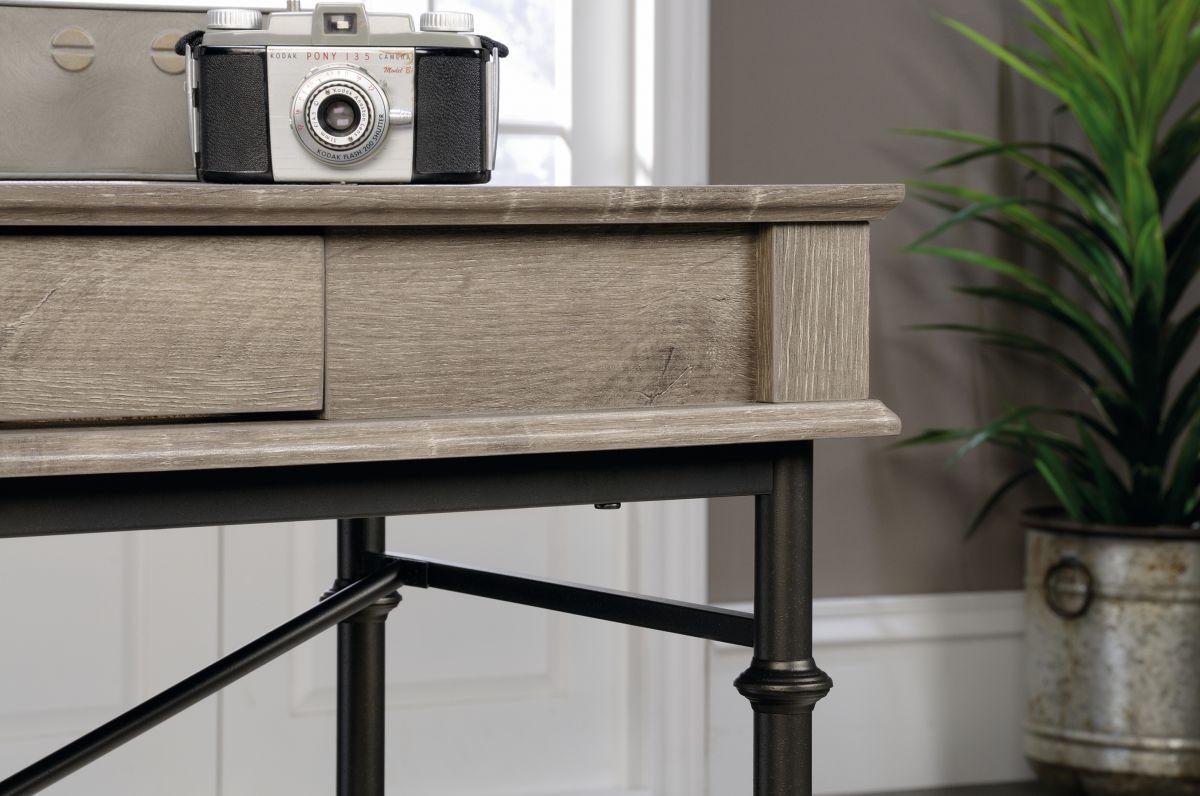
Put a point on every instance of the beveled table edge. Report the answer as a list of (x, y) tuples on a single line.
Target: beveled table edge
[(28, 452), (31, 203)]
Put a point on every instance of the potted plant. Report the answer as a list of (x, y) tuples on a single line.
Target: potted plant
[(1113, 568)]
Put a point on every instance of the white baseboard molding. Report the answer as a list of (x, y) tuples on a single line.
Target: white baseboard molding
[(928, 692)]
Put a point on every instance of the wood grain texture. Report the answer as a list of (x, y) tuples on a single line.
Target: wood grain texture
[(191, 204), (453, 321), (30, 452), (124, 326), (812, 317)]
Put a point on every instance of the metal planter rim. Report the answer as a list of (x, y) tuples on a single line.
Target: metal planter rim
[(1052, 520)]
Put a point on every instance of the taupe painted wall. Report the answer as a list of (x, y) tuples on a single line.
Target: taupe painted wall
[(806, 91)]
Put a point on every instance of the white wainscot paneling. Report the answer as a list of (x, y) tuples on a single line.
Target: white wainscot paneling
[(93, 624), (928, 691)]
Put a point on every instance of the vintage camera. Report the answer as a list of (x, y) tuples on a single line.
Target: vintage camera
[(335, 95)]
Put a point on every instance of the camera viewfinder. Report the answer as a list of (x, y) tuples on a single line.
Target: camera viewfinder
[(341, 22)]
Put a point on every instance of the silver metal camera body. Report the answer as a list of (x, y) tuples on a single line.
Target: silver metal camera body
[(337, 95)]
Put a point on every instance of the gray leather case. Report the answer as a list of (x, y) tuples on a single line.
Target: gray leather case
[(93, 93)]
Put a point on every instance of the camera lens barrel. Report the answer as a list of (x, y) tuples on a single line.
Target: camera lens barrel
[(340, 114)]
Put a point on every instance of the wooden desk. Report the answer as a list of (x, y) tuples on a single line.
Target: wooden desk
[(185, 354)]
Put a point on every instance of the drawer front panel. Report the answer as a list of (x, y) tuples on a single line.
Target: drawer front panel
[(435, 322), (137, 326)]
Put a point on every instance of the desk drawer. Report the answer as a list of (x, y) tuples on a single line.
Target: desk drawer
[(136, 326), (462, 321)]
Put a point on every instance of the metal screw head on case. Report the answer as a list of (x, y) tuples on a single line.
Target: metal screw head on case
[(162, 52), (447, 22), (73, 49), (234, 19)]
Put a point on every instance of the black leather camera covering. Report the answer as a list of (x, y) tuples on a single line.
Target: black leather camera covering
[(449, 135), (235, 139)]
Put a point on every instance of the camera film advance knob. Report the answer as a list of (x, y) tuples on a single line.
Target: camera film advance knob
[(447, 22), (234, 19)]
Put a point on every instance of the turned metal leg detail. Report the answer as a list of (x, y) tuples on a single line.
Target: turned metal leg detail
[(783, 682), (360, 664)]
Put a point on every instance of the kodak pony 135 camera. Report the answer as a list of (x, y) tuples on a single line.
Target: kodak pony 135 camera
[(335, 95)]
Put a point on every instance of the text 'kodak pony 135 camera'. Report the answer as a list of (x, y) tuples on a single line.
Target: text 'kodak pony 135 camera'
[(335, 95)]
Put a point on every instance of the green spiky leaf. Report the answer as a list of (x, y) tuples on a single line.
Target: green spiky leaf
[(1115, 69)]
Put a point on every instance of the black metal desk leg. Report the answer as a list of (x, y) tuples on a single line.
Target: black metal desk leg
[(783, 682), (360, 669)]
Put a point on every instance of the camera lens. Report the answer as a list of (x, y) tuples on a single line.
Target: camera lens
[(338, 114)]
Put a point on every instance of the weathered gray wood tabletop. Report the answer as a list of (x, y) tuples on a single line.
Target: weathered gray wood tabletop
[(151, 326)]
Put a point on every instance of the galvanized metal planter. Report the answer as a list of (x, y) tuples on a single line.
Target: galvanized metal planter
[(1113, 657)]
